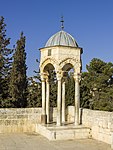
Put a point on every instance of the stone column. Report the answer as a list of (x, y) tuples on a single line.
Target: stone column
[(77, 98), (47, 101), (43, 116), (59, 78), (63, 101)]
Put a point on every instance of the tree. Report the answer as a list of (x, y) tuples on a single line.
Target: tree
[(5, 64), (70, 90), (96, 85), (34, 96), (18, 80), (34, 93), (53, 88)]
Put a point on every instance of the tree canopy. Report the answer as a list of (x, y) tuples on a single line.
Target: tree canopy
[(97, 85), (5, 64), (18, 79)]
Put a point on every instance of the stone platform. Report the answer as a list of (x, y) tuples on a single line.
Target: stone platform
[(65, 132)]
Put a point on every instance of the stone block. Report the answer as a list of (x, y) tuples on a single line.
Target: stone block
[(100, 123), (44, 119), (29, 111), (7, 122), (37, 110), (14, 122), (112, 140), (63, 132), (22, 116), (21, 111), (22, 122), (3, 116)]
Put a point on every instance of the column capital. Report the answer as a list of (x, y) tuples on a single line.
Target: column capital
[(59, 74), (77, 77), (64, 79), (44, 76), (47, 80)]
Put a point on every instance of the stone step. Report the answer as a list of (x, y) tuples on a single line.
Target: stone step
[(63, 132)]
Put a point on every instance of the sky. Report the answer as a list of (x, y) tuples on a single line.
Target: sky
[(90, 22)]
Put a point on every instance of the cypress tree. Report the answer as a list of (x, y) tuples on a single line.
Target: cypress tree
[(5, 64), (53, 88), (18, 81)]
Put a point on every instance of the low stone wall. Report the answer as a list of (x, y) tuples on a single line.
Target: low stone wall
[(25, 120), (70, 114), (100, 122), (22, 119), (19, 120)]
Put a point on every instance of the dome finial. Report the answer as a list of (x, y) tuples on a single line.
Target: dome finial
[(62, 22)]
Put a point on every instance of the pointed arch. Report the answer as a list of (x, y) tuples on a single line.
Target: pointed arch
[(76, 64), (47, 61)]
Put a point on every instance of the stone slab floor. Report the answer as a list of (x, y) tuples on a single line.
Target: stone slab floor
[(34, 141)]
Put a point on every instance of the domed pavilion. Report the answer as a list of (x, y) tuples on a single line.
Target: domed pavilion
[(61, 53)]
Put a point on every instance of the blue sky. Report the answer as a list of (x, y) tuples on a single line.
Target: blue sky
[(90, 22)]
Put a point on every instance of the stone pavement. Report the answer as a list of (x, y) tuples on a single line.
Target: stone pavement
[(34, 141)]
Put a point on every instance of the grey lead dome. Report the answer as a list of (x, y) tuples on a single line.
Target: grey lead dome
[(61, 38)]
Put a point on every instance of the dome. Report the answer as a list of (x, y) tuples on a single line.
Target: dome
[(61, 38)]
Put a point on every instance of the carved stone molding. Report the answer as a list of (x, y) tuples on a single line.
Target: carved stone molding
[(47, 61), (59, 74), (77, 77), (44, 76)]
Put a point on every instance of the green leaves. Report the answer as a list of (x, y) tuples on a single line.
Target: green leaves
[(97, 83), (5, 63), (18, 80), (34, 92), (70, 90)]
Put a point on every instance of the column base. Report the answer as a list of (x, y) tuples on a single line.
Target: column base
[(59, 124), (63, 123), (44, 119), (77, 124)]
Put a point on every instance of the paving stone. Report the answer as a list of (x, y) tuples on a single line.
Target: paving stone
[(32, 141)]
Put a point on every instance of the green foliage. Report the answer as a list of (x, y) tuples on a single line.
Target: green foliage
[(97, 86), (53, 88), (5, 64), (34, 96), (34, 92), (96, 89), (70, 90), (18, 80)]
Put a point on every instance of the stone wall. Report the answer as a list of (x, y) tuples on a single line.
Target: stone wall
[(100, 122), (19, 120), (25, 120), (22, 119)]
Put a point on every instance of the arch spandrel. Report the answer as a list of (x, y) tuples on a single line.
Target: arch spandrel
[(75, 63), (51, 61)]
